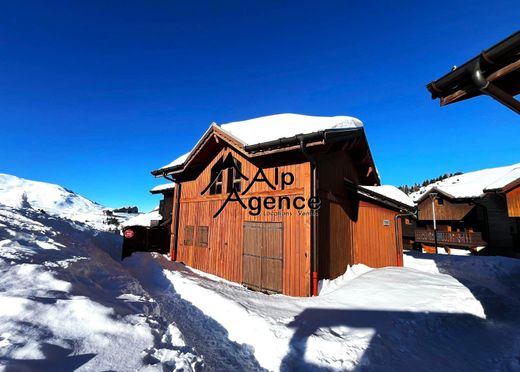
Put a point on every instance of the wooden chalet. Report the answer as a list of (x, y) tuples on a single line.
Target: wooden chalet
[(474, 210), (494, 72), (150, 232), (275, 203)]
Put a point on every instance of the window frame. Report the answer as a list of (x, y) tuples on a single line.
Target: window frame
[(202, 231), (188, 236)]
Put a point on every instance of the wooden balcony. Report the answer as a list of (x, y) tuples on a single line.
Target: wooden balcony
[(450, 238)]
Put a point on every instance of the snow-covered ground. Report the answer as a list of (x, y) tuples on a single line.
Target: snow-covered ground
[(438, 313), (67, 302)]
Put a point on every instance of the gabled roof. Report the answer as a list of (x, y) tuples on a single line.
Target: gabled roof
[(471, 185), (277, 131)]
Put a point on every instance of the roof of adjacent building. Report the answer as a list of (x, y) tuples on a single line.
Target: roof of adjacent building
[(391, 193), (162, 188), (274, 127), (472, 184), (499, 64), (143, 219)]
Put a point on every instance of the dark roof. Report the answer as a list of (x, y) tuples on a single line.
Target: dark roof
[(499, 66)]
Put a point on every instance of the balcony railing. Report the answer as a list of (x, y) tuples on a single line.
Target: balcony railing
[(450, 238)]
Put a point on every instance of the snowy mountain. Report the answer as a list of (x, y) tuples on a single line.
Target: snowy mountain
[(56, 200)]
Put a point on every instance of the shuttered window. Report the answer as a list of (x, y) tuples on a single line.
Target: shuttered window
[(188, 235), (202, 236)]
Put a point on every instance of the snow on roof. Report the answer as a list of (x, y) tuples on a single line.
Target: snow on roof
[(163, 187), (269, 128), (472, 184), (144, 219), (272, 127), (512, 176), (392, 193), (180, 160)]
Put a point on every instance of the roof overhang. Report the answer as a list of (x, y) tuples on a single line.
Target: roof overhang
[(495, 72), (391, 203)]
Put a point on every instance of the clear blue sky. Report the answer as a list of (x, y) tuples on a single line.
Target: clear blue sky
[(96, 94)]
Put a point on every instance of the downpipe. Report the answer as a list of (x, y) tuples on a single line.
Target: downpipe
[(314, 225), (492, 90), (175, 232)]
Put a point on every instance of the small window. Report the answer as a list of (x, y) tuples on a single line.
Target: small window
[(440, 201), (188, 235), (216, 179), (233, 176), (202, 236)]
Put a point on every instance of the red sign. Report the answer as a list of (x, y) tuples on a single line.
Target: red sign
[(128, 233)]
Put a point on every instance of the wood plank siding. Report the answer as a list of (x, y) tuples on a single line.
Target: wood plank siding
[(513, 202), (223, 255), (444, 210), (374, 237)]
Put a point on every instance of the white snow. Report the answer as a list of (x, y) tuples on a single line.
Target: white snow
[(55, 200), (272, 127), (392, 319), (268, 128), (163, 187), (67, 303), (472, 184), (144, 219), (391, 192)]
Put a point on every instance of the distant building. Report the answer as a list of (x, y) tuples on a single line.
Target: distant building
[(275, 203), (150, 232), (475, 210)]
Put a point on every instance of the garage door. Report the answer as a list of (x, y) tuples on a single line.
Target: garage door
[(263, 256)]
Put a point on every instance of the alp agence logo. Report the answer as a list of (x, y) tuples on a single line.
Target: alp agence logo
[(256, 204)]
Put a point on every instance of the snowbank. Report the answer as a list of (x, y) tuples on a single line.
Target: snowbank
[(66, 304), (368, 319)]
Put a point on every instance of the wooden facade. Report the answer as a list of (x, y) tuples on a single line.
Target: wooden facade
[(272, 250), (477, 223), (224, 254), (513, 202), (374, 233)]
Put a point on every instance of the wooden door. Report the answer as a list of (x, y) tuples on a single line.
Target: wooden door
[(263, 256)]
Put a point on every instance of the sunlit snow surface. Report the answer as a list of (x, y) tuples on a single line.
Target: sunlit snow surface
[(67, 302)]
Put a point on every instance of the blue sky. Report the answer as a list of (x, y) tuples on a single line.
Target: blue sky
[(96, 94)]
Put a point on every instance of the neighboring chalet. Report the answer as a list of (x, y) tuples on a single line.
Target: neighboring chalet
[(275, 203), (150, 232), (494, 72), (473, 211)]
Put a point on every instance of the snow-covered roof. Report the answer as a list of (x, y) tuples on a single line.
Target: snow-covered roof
[(269, 128), (390, 192), (144, 219), (273, 127), (163, 187), (510, 177), (471, 184)]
